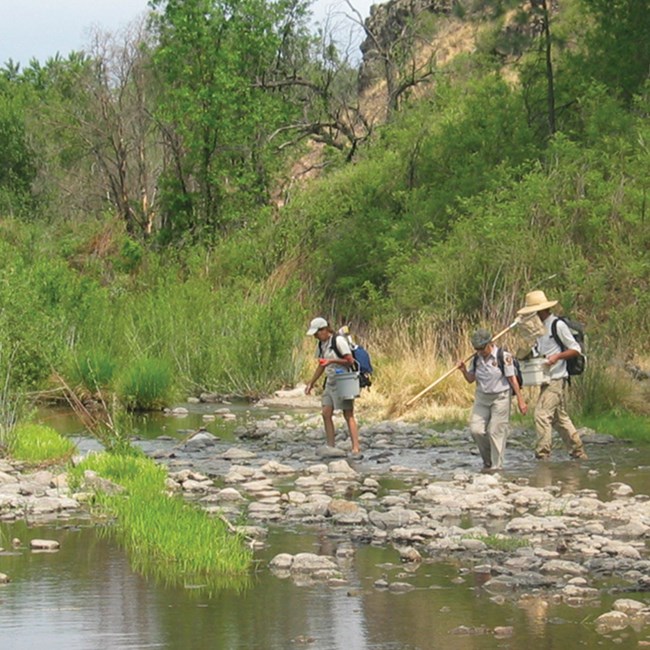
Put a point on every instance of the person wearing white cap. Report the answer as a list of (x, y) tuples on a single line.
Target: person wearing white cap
[(550, 410), (329, 362), (494, 372)]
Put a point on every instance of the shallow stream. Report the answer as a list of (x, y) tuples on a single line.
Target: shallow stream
[(87, 597)]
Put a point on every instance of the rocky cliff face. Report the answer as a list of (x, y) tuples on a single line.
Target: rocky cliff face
[(385, 27), (391, 29)]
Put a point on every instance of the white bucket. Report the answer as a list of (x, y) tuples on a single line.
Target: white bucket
[(535, 372), (347, 385)]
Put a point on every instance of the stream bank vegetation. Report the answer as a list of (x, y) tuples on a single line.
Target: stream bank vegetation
[(165, 536), (39, 445), (156, 243)]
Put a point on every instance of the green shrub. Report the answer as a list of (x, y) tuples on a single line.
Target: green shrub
[(96, 369)]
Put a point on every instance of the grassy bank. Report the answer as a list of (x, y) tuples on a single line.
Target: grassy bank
[(165, 536), (177, 325), (36, 444)]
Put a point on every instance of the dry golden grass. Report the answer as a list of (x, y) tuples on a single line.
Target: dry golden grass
[(407, 358), (411, 357)]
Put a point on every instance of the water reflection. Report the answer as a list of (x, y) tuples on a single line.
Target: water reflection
[(86, 597), (157, 423), (569, 476), (536, 610)]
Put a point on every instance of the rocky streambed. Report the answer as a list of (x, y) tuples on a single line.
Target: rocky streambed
[(565, 531)]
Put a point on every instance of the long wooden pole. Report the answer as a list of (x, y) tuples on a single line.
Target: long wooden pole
[(451, 370)]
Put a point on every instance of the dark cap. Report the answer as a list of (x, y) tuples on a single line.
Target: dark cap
[(481, 338)]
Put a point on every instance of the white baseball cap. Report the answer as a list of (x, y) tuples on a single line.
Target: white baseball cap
[(315, 325)]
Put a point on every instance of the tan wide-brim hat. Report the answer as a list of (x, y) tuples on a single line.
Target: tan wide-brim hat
[(536, 301)]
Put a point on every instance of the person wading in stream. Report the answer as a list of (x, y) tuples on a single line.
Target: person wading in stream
[(550, 410), (494, 372), (329, 362)]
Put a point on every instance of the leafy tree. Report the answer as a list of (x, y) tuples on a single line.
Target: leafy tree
[(17, 164), (216, 116), (619, 45)]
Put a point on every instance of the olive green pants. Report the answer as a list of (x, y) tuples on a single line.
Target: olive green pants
[(550, 413)]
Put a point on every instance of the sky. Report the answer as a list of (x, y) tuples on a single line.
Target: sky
[(41, 28)]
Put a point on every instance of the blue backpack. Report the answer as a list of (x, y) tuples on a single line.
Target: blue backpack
[(362, 359)]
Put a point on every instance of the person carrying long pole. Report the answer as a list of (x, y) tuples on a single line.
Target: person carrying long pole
[(449, 372), (494, 371)]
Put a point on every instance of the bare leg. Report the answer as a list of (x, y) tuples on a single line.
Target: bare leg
[(353, 429), (327, 413)]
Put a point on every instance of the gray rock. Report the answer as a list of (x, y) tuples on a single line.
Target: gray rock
[(44, 544), (236, 453), (563, 567), (628, 606), (327, 452), (395, 518), (611, 621), (312, 563)]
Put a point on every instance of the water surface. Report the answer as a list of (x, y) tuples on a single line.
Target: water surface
[(86, 596)]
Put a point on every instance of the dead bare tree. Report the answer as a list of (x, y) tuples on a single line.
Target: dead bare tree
[(542, 7), (106, 116), (405, 55), (326, 90)]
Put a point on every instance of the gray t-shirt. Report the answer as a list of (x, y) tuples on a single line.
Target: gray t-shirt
[(326, 351), (547, 345)]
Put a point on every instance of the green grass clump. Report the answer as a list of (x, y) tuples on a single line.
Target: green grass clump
[(164, 535), (37, 443), (96, 370), (627, 426), (436, 441), (146, 384)]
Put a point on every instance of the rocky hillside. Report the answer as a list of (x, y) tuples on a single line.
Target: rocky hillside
[(421, 33)]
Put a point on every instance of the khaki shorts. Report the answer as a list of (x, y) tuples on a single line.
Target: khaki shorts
[(329, 398)]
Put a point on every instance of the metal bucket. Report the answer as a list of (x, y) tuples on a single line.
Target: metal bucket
[(347, 385), (535, 372)]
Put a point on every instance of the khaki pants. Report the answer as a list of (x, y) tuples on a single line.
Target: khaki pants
[(550, 412), (489, 425)]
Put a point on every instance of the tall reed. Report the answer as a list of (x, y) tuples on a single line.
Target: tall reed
[(11, 402)]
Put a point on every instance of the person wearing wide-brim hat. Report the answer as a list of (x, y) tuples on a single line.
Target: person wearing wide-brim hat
[(493, 370), (550, 410)]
